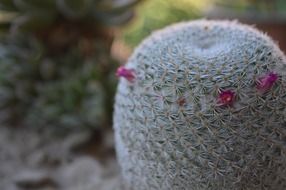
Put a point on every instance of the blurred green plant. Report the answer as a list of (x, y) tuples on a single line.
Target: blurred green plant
[(264, 6), (55, 62), (156, 14)]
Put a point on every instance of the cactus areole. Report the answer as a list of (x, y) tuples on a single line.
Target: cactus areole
[(206, 110)]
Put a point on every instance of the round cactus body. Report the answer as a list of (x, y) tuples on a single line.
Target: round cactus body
[(206, 110)]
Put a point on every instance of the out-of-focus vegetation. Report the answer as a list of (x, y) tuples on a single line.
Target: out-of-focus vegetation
[(34, 14), (156, 14), (263, 6), (56, 67)]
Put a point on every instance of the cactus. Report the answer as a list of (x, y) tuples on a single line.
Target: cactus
[(206, 110)]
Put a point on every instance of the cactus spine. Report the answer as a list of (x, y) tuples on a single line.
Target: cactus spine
[(206, 110)]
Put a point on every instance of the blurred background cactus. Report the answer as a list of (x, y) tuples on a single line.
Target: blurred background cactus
[(56, 67)]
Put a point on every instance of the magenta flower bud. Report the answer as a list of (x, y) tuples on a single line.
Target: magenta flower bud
[(128, 74), (226, 98), (267, 81)]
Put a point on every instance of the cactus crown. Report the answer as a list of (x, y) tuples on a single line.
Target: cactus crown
[(206, 111)]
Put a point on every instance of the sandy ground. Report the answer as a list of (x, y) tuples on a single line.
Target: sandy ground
[(41, 160)]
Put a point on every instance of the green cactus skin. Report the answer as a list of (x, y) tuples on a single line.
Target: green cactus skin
[(171, 132)]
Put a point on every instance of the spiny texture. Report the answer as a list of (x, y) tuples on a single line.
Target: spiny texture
[(206, 110)]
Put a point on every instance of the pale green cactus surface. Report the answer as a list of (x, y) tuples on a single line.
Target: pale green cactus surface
[(176, 130)]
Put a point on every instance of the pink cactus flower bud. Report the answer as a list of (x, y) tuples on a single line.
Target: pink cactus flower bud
[(226, 98), (128, 74), (267, 81)]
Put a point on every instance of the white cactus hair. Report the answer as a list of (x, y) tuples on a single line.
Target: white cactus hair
[(170, 132)]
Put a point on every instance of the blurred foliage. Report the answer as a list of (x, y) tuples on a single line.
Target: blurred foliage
[(155, 14), (55, 61), (34, 14), (264, 6), (65, 91)]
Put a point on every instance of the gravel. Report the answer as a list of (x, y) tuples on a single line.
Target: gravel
[(40, 160)]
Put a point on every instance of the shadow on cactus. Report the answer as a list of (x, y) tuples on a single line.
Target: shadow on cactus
[(56, 68)]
